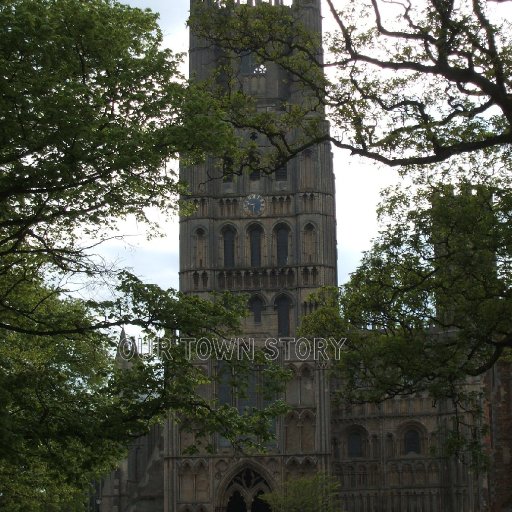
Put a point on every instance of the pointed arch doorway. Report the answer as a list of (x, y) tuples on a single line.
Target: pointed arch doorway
[(243, 493)]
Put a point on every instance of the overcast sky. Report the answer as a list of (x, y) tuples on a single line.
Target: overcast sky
[(357, 189)]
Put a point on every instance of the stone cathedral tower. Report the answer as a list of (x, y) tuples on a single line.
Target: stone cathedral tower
[(272, 237)]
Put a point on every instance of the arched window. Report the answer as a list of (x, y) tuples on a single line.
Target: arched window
[(224, 383), (292, 388), (309, 245), (309, 174), (412, 441), (307, 433), (375, 447), (256, 307), (390, 446), (228, 235), (307, 390), (227, 169), (283, 306), (292, 433), (246, 487), (282, 235), (247, 395), (200, 248), (281, 173), (255, 238), (355, 444)]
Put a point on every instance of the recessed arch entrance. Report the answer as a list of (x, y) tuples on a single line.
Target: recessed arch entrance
[(243, 492)]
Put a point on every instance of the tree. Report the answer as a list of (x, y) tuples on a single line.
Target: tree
[(430, 305), (68, 413), (407, 83), (93, 116), (316, 493)]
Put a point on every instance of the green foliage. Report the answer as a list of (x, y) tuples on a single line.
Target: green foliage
[(55, 401), (429, 307), (68, 412), (324, 321), (316, 493), (93, 115), (431, 297)]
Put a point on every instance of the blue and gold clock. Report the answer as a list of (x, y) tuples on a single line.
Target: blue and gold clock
[(254, 205)]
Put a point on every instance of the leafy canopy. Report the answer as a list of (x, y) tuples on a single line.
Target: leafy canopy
[(407, 82), (430, 306), (93, 116)]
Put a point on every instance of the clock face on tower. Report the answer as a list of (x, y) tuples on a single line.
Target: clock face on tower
[(254, 205)]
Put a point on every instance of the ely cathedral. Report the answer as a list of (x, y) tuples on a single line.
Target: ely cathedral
[(273, 238)]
